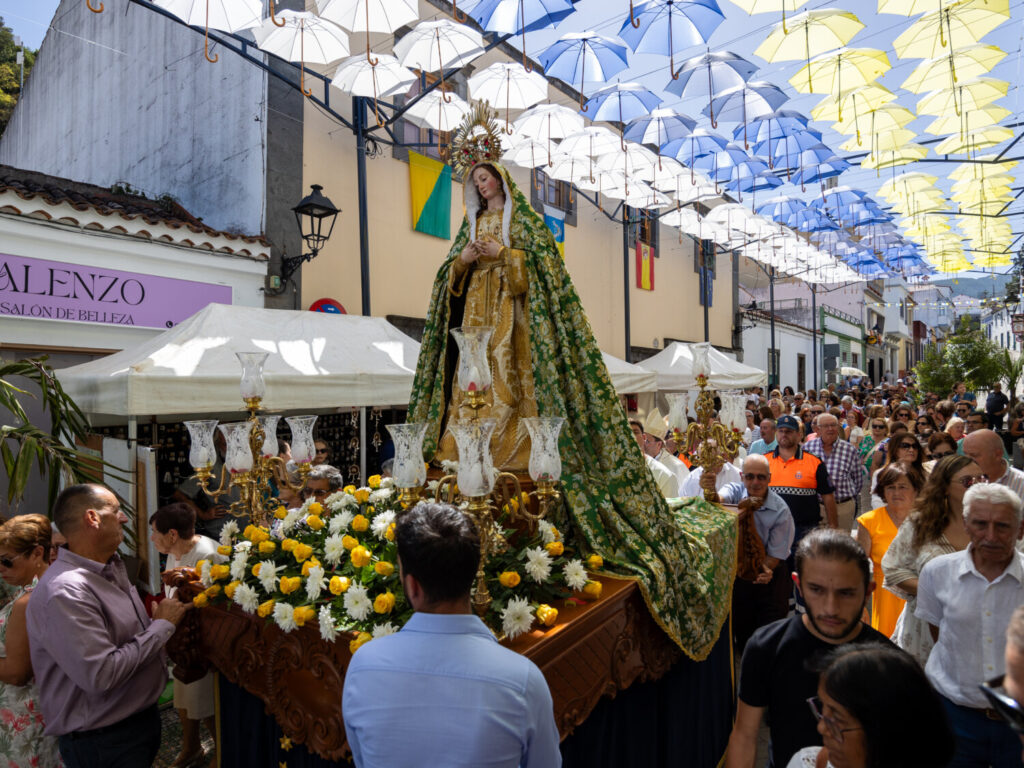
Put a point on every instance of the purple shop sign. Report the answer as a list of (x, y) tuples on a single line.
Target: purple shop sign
[(53, 290)]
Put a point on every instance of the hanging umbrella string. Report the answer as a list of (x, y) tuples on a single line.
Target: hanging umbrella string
[(302, 60), (373, 62), (522, 21), (440, 62), (277, 22)]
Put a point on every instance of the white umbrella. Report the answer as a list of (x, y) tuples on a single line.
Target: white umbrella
[(686, 219), (508, 84), (549, 121), (592, 141), (527, 153), (227, 15), (377, 77), (635, 162), (304, 37), (439, 111), (384, 16), (849, 370), (434, 46)]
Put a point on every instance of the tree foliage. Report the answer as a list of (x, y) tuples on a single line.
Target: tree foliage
[(10, 73), (968, 356)]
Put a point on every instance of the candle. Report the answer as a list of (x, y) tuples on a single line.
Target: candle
[(474, 379)]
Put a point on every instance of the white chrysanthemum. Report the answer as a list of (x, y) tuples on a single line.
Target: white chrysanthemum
[(517, 617), (334, 550), (380, 495), (381, 523), (450, 467), (304, 508), (243, 546), (315, 583), (204, 575), (335, 499), (340, 522), (284, 615), (268, 576), (387, 482), (432, 485), (382, 630), (239, 565), (548, 532), (357, 604), (292, 519), (575, 574), (247, 597), (538, 564), (328, 631), (228, 532)]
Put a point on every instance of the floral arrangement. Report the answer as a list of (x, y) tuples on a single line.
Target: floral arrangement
[(336, 564)]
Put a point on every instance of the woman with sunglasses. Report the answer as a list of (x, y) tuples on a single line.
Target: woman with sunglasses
[(935, 527), (24, 555), (898, 487), (940, 445), (903, 450), (924, 426), (880, 457), (876, 709)]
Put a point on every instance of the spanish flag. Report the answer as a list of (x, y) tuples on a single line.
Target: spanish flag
[(430, 182), (644, 266)]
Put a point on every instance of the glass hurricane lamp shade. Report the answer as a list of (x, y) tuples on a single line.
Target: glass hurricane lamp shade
[(733, 415), (253, 385), (545, 461), (315, 215), (202, 453), (409, 471), (238, 457), (678, 406), (476, 474), (269, 426), (474, 370), (701, 360), (302, 438)]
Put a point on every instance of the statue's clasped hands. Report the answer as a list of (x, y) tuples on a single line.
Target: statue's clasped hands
[(477, 248)]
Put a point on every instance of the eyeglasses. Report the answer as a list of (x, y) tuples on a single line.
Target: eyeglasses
[(902, 415), (923, 423), (910, 446), (8, 562), (1004, 705), (817, 411), (752, 476), (833, 727), (970, 480), (321, 450), (878, 426), (942, 454)]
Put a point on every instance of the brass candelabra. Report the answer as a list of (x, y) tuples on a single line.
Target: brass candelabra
[(708, 442)]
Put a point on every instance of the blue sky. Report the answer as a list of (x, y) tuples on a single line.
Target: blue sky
[(28, 18)]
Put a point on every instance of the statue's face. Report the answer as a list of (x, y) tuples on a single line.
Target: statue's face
[(487, 183)]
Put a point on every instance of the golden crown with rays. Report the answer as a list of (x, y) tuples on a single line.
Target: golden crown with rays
[(477, 139)]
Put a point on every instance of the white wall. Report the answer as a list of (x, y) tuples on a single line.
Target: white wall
[(789, 341)]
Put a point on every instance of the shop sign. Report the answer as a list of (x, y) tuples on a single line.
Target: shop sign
[(53, 290)]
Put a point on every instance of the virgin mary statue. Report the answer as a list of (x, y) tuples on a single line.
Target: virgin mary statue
[(505, 271)]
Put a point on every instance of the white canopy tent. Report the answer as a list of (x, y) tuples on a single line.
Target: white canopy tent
[(628, 378), (673, 367)]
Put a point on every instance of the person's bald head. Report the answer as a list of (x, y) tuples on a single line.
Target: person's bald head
[(986, 448), (757, 475)]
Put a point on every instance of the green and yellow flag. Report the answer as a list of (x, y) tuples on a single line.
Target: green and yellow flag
[(431, 184)]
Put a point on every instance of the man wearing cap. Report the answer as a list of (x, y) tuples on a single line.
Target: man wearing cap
[(654, 446), (663, 478)]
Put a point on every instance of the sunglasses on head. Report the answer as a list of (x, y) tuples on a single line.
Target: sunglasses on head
[(1004, 705)]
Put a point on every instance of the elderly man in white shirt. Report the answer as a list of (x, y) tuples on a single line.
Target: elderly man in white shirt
[(968, 597), (654, 446), (663, 477)]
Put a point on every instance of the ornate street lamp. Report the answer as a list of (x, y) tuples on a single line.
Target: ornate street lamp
[(315, 216)]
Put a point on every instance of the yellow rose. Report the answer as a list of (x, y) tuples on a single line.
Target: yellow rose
[(509, 579), (281, 513), (288, 545), (384, 603), (247, 532), (213, 591), (301, 552), (595, 562), (547, 615), (370, 510), (360, 557), (316, 508), (311, 563), (267, 547), (374, 481), (555, 548), (339, 584), (315, 523), (220, 572), (259, 535), (362, 495), (302, 614), (592, 589), (359, 642), (199, 566), (290, 583), (360, 523), (224, 549), (200, 600), (265, 609), (349, 489), (229, 590), (256, 570), (349, 542), (389, 534)]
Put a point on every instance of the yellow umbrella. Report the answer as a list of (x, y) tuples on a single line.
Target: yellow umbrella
[(810, 33), (949, 27), (908, 153), (985, 207), (966, 171), (947, 71), (907, 200), (983, 189), (906, 183), (859, 101), (887, 117), (969, 121), (966, 185), (992, 259), (840, 72), (972, 141), (769, 6), (967, 95), (917, 205), (911, 7), (881, 140)]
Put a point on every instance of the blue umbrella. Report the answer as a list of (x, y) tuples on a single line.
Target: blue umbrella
[(667, 26), (575, 54), (621, 103), (784, 209), (752, 178), (834, 166), (517, 17), (699, 143), (754, 99), (719, 163), (660, 127), (780, 149), (813, 221), (709, 74)]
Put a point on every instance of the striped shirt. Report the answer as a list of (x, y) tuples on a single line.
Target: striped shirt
[(1013, 479), (843, 465)]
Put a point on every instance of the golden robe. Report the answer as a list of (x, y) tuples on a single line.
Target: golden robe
[(495, 291)]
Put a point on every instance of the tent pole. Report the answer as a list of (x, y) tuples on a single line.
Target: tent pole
[(814, 331), (362, 445), (625, 275), (773, 373), (359, 118), (133, 444)]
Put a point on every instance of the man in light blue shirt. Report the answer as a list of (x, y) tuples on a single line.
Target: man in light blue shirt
[(442, 691), (767, 442)]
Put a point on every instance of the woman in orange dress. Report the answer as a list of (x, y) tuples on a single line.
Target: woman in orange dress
[(876, 530)]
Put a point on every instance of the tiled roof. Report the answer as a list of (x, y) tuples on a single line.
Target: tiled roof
[(30, 185)]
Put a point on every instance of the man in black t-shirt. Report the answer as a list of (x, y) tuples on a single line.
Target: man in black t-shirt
[(779, 668)]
